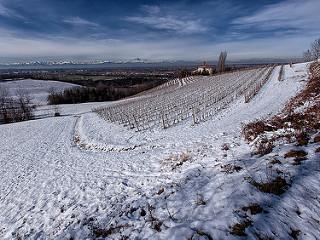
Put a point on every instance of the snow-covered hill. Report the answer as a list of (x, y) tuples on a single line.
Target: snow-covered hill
[(37, 89), (80, 177)]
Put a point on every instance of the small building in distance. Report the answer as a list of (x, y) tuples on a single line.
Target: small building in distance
[(204, 69)]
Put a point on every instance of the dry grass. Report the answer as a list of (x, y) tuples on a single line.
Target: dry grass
[(264, 147), (177, 160), (230, 168), (305, 123), (200, 200), (277, 186), (161, 190), (252, 130), (316, 139), (239, 229), (202, 234), (299, 160), (275, 161), (104, 233), (302, 138), (254, 208), (294, 233), (295, 154), (225, 147)]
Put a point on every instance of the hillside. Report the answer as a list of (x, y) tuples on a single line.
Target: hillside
[(171, 163)]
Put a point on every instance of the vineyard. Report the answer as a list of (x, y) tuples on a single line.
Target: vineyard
[(194, 98)]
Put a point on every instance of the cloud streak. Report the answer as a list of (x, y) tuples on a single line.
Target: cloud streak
[(77, 21), (154, 18), (290, 14)]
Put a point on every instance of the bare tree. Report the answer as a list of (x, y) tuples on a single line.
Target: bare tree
[(7, 106), (315, 49), (3, 104), (24, 100), (222, 61), (307, 55)]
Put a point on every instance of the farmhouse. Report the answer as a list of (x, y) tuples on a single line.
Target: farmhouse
[(204, 69)]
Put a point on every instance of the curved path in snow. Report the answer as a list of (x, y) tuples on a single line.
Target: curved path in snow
[(50, 185)]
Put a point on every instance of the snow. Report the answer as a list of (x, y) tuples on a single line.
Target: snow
[(38, 89), (67, 176)]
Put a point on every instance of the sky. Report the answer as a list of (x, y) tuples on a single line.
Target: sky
[(156, 30)]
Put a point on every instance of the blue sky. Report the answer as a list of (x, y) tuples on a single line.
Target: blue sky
[(156, 30)]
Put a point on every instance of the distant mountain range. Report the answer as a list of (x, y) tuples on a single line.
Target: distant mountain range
[(131, 63)]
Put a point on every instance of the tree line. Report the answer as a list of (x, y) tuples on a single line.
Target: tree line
[(100, 93)]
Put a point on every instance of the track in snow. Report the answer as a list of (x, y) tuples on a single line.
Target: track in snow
[(50, 187)]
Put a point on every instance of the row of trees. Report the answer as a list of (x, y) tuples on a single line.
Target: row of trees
[(314, 52), (15, 109), (96, 94)]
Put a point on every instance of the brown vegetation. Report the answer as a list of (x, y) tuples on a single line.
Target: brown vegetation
[(304, 123), (275, 161), (299, 160), (295, 153), (230, 168), (276, 186), (252, 130), (294, 233), (176, 160), (316, 139), (239, 229), (254, 208)]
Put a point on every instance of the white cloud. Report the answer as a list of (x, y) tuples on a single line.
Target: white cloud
[(170, 23), (296, 14), (77, 21), (154, 18)]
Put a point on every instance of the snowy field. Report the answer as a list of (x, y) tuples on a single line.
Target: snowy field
[(37, 89), (80, 177)]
